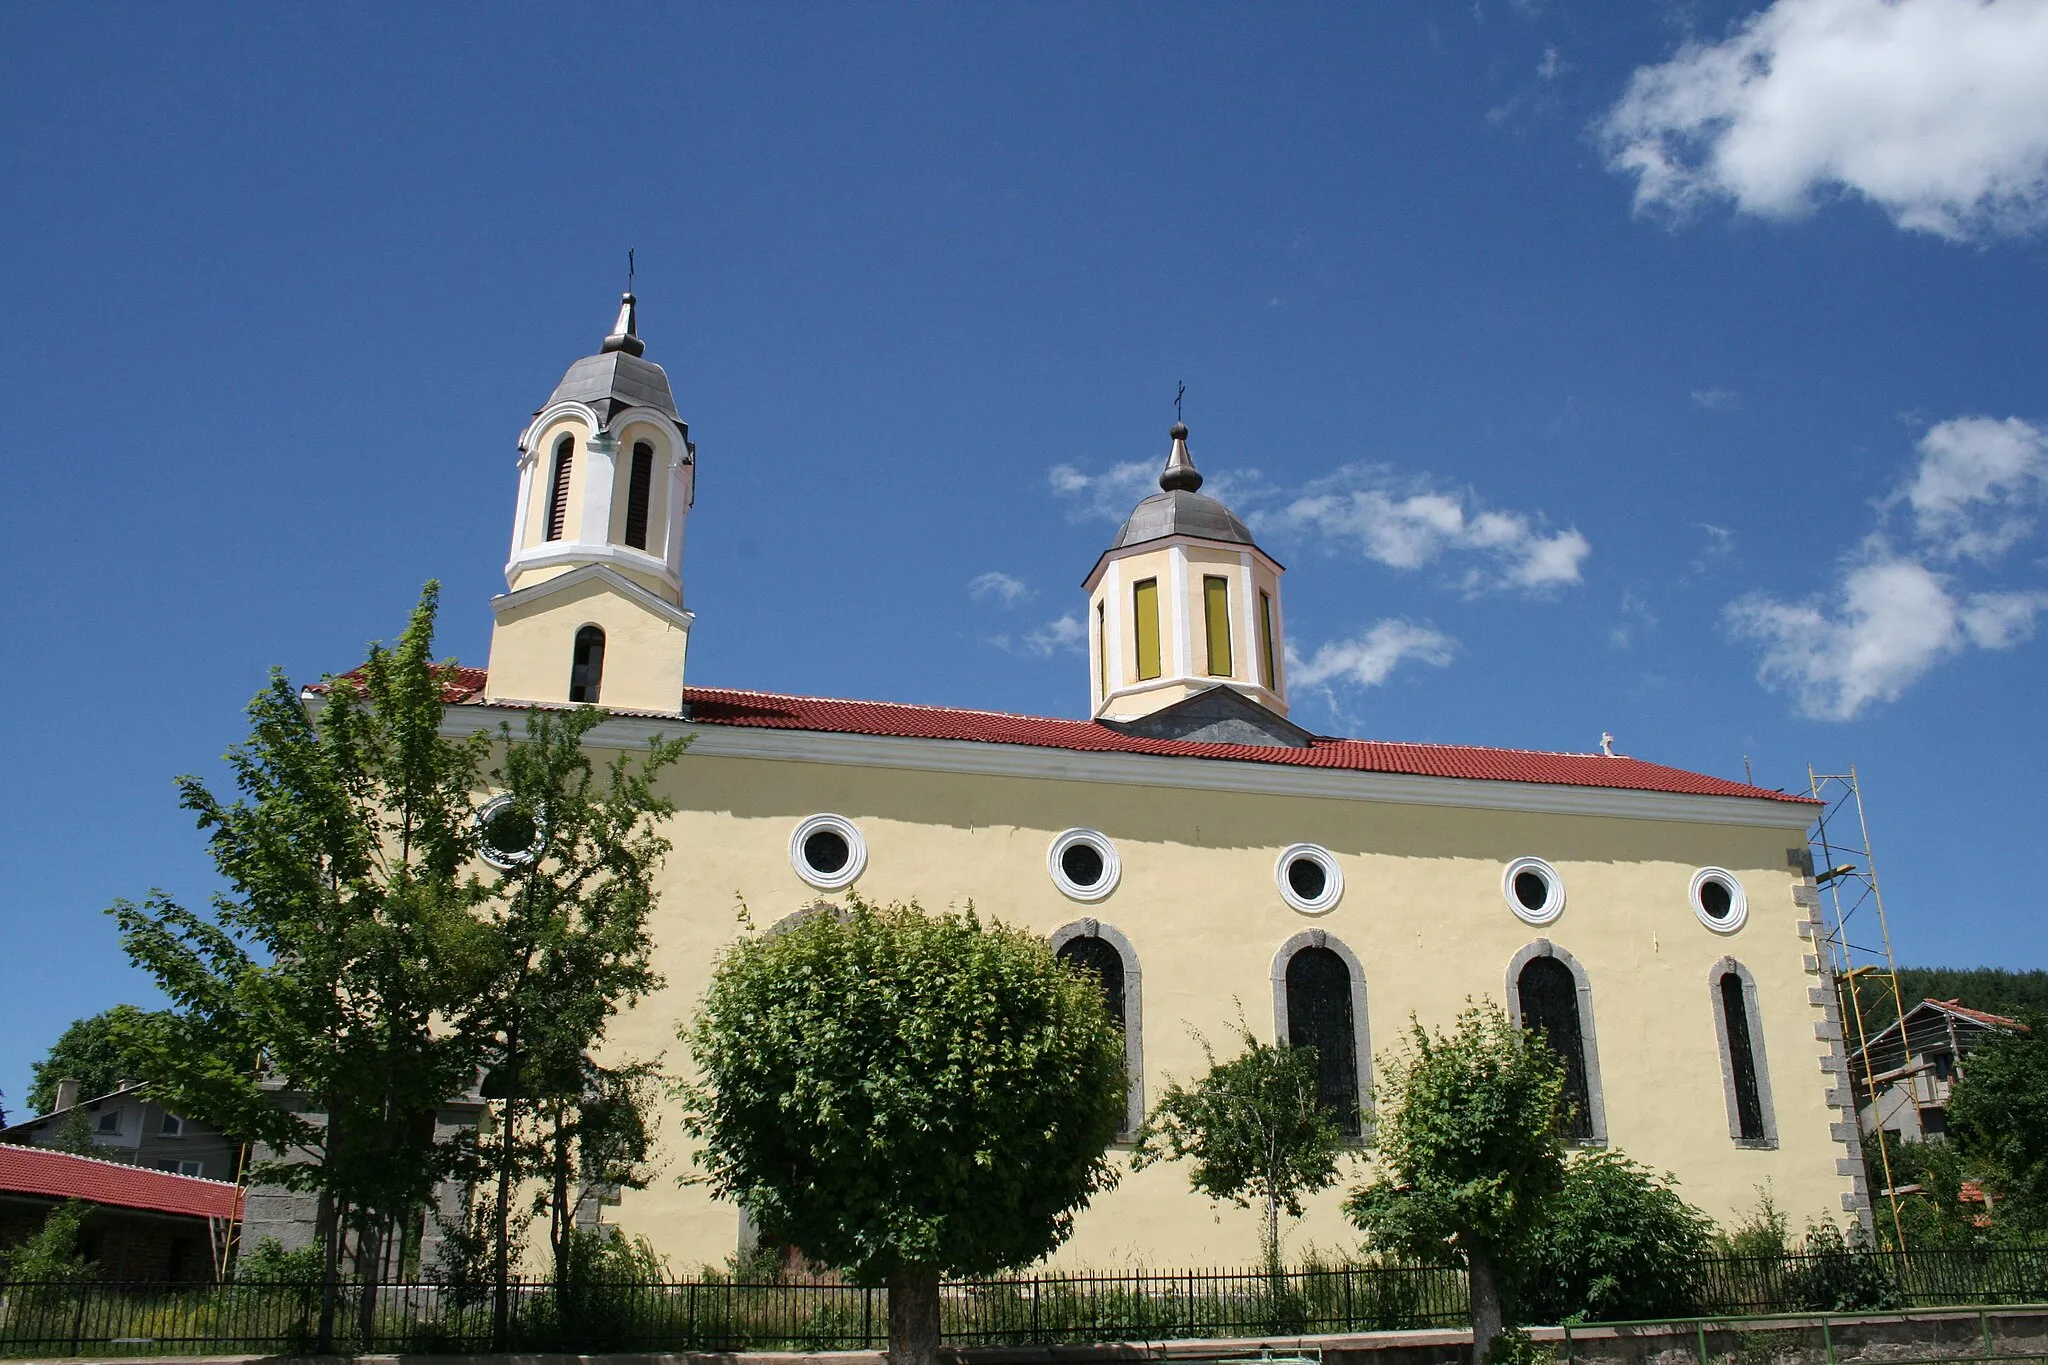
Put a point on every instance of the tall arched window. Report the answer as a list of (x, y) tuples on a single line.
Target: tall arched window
[(1745, 1081), (1102, 952), (1319, 1015), (586, 668), (1097, 958), (558, 487), (1549, 996), (639, 488)]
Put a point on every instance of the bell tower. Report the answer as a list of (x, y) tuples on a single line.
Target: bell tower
[(593, 608), (1183, 603)]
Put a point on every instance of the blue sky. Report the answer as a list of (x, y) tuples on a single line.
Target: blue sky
[(1669, 370)]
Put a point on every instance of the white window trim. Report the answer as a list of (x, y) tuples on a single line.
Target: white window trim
[(1738, 899), (1112, 865), (1333, 879), (498, 858), (856, 851), (1551, 908)]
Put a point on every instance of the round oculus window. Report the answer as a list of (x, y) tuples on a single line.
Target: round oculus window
[(1533, 889), (1083, 864), (507, 835), (1718, 899), (828, 852), (1308, 878)]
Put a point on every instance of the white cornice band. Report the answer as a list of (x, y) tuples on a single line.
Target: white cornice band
[(1157, 770)]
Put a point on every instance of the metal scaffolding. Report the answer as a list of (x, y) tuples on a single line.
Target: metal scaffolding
[(1858, 941)]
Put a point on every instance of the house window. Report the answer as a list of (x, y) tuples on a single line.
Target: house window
[(173, 1126), (1308, 877), (1099, 959), (1093, 947), (1944, 1065), (1933, 1122), (1145, 614), (1266, 676), (1744, 1077), (1749, 1102), (1216, 616), (586, 667), (828, 851), (1319, 1016), (1101, 649), (639, 487), (110, 1122), (1083, 864), (1549, 997), (558, 487)]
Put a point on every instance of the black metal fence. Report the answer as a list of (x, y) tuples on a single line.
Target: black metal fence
[(714, 1315)]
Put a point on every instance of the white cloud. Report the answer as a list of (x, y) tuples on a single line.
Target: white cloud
[(1935, 110), (1408, 527), (1715, 400), (1109, 496), (1891, 620), (1977, 483), (998, 587), (1367, 660), (1062, 636)]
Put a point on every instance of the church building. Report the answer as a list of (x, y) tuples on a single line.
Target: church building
[(1192, 844)]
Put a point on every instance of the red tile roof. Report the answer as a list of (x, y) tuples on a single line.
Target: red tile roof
[(898, 720), (1979, 1016), (60, 1175)]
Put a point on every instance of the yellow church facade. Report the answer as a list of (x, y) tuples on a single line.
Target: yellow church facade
[(1208, 858)]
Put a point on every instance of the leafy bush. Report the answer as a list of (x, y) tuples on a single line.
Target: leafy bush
[(269, 1263), (1617, 1242), (1837, 1274)]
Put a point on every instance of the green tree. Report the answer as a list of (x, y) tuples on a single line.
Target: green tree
[(51, 1255), (1998, 1117), (347, 935), (905, 1095), (1469, 1154), (99, 1052), (1618, 1242), (576, 849), (1254, 1129)]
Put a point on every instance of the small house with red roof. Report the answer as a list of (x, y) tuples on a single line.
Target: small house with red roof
[(143, 1225), (1905, 1076), (1187, 841)]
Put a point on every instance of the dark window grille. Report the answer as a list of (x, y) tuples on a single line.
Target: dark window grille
[(586, 670), (639, 486), (1308, 878), (1319, 1016), (1083, 865), (1099, 957), (1550, 1003), (558, 488), (826, 852), (1749, 1099)]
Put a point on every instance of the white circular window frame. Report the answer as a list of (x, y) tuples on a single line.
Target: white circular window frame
[(856, 852), (1112, 866), (1553, 905), (499, 858), (1333, 878), (1738, 899)]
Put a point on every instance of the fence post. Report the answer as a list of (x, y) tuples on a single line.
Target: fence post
[(1827, 1336), (1700, 1327), (1984, 1326), (1348, 1324), (1567, 1341), (867, 1317), (1034, 1313)]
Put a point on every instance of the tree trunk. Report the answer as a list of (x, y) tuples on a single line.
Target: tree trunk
[(561, 1222), (501, 1236), (329, 1219), (369, 1271), (1485, 1303), (914, 1316)]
